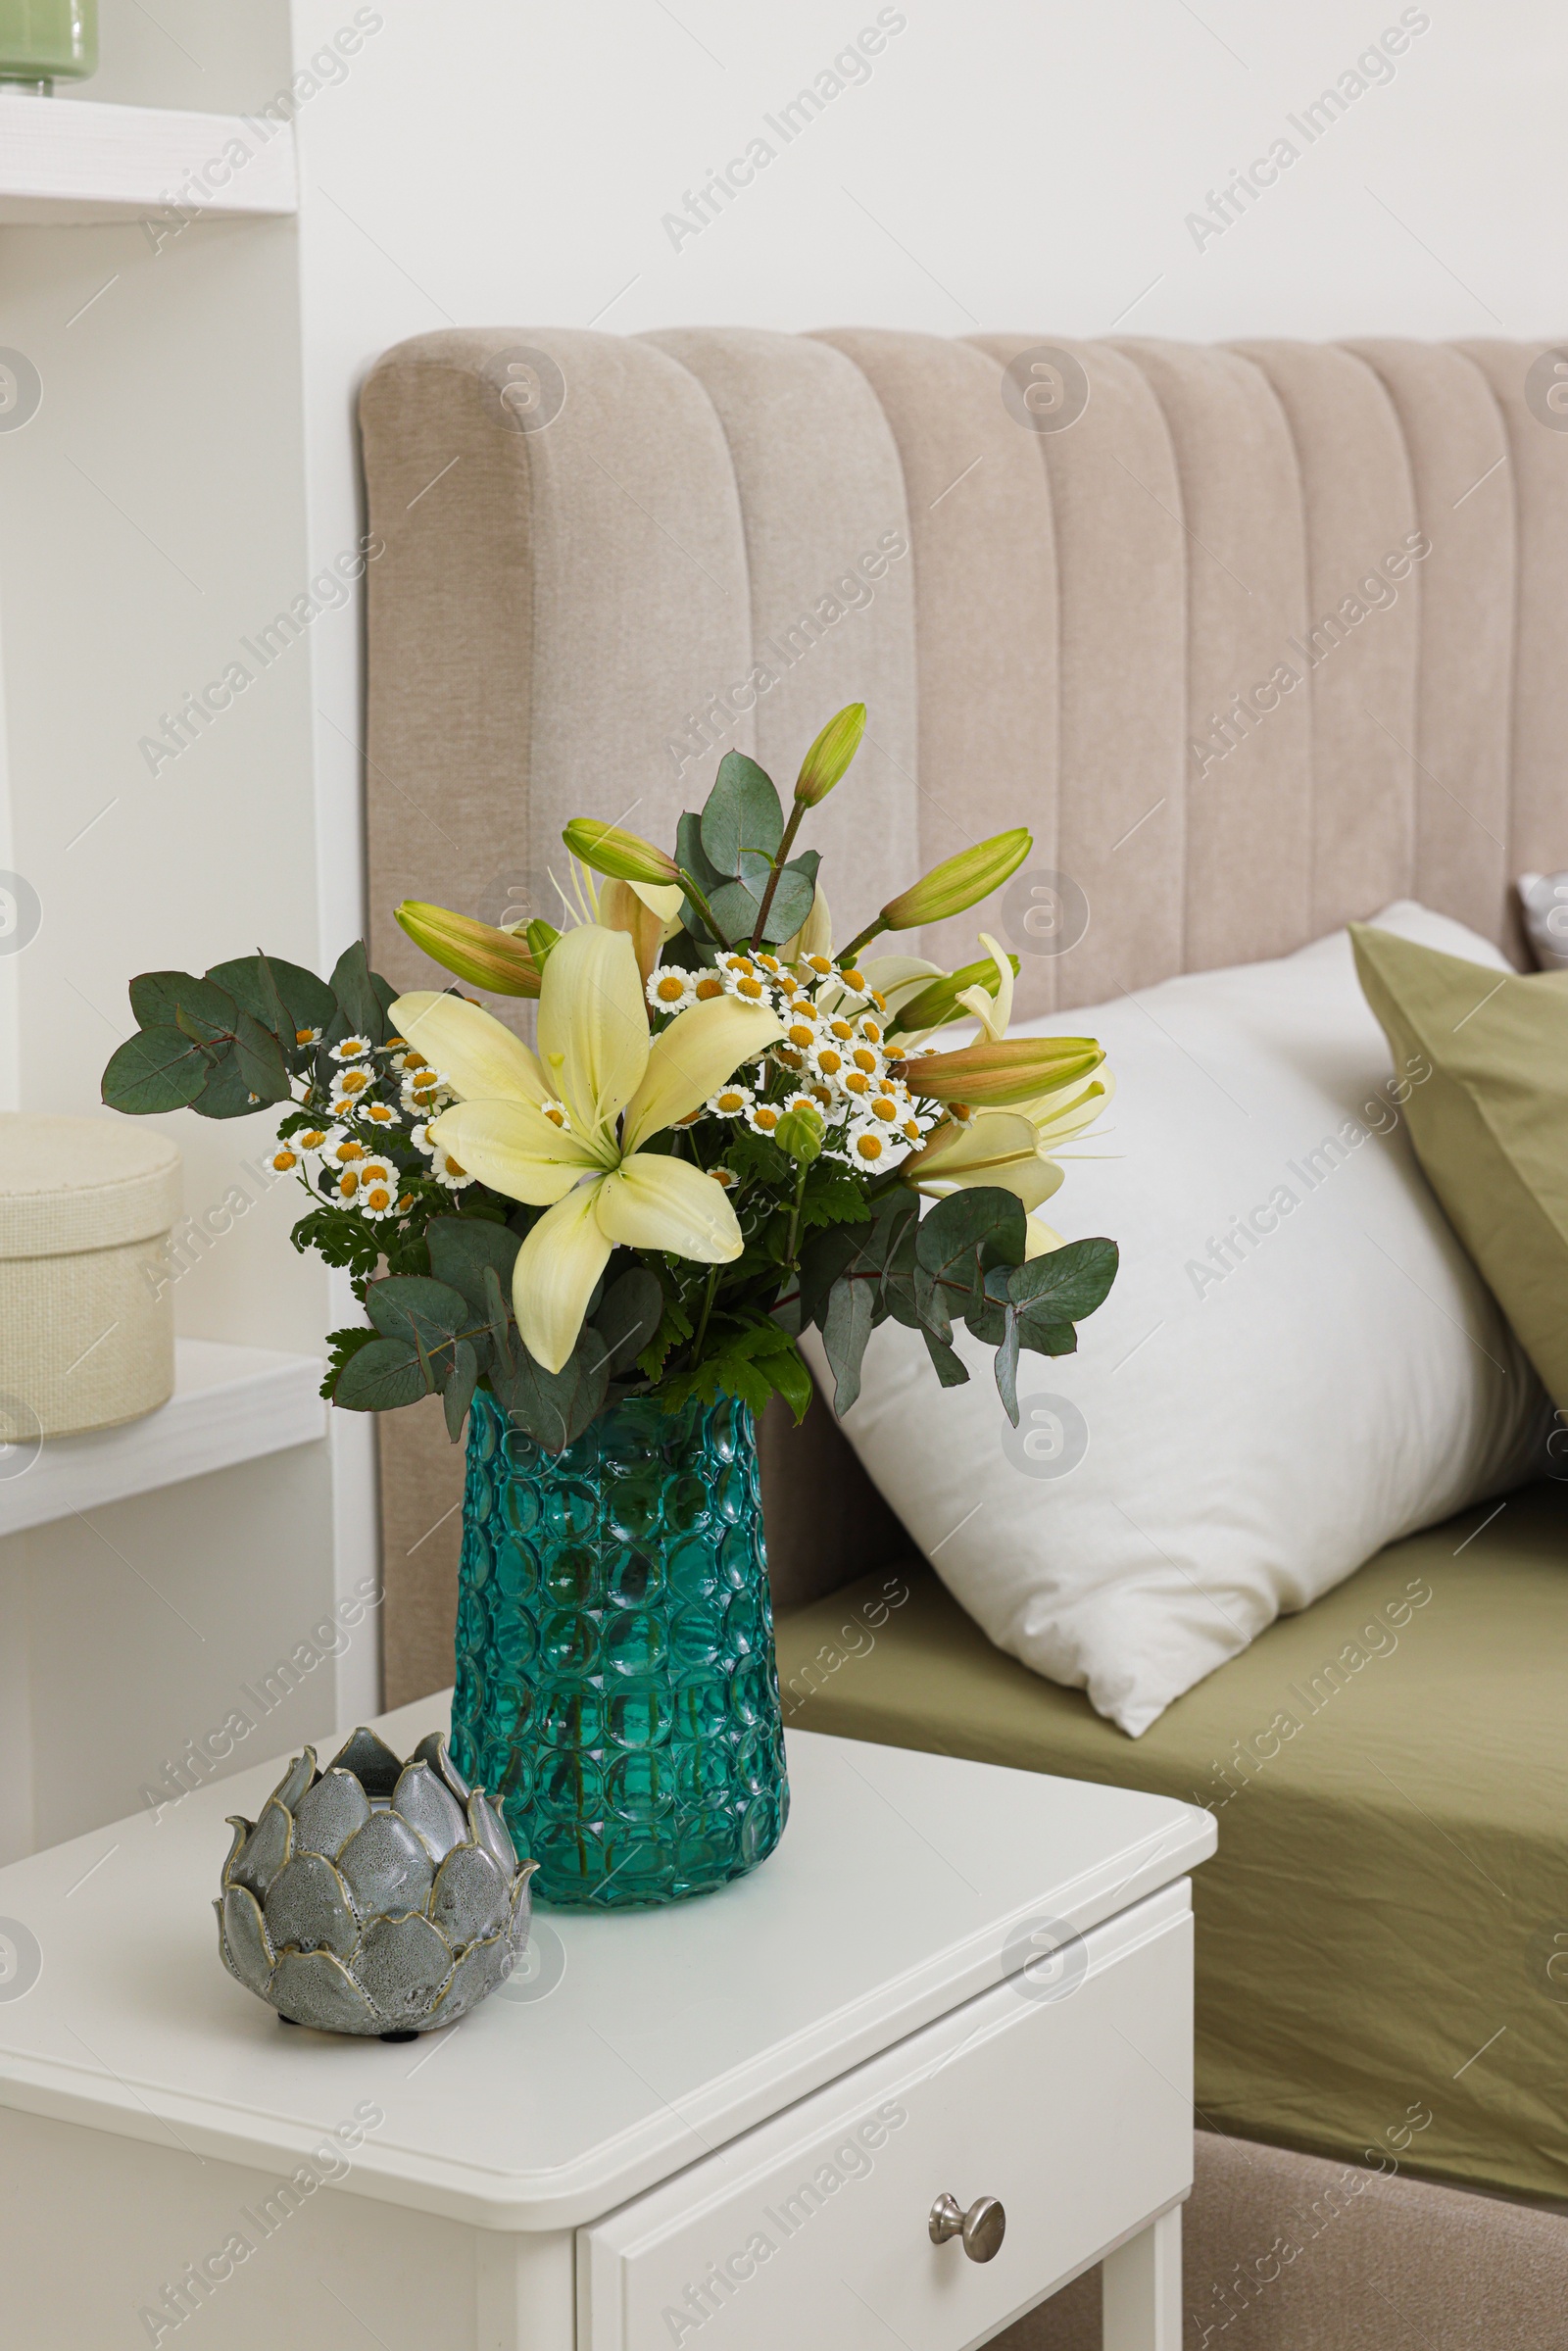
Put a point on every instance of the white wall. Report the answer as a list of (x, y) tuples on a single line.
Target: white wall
[(1005, 163)]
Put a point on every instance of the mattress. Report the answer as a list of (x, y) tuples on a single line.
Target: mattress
[(1383, 1934)]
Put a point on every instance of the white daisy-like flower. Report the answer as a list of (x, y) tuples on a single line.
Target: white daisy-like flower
[(730, 1101), (762, 1117), (345, 1183), (857, 1083), (829, 1062), (380, 1114), (709, 985), (312, 1140), (349, 1084), (557, 1116), (870, 1028), (802, 1027), (819, 967), (285, 1158), (724, 1176), (671, 989), (352, 1048), (342, 1150), (450, 1172), (866, 1058), (875, 1148), (742, 978), (787, 1058), (376, 1192), (306, 1037), (424, 1090)]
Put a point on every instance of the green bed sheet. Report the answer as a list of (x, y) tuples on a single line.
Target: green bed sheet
[(1383, 1934)]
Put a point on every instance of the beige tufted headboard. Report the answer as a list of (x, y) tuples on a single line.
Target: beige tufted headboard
[(1070, 581)]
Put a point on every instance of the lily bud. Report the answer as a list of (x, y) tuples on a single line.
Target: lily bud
[(478, 952), (939, 1004), (623, 856), (992, 1077), (829, 756), (799, 1132), (959, 882)]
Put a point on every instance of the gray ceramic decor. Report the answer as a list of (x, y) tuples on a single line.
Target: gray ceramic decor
[(376, 1896)]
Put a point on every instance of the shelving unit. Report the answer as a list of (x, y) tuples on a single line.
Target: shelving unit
[(230, 1405), (74, 162)]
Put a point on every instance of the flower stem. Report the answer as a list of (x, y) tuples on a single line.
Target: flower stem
[(861, 939), (708, 1308), (780, 854), (795, 1209), (703, 908)]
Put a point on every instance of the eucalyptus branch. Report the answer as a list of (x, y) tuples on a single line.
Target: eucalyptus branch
[(781, 858)]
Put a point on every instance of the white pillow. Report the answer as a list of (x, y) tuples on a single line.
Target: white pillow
[(1297, 1365)]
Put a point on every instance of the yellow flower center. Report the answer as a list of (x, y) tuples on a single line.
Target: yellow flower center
[(765, 1116), (872, 1029), (413, 1060), (305, 1036), (885, 1109), (869, 1146), (852, 978), (346, 1152), (708, 986), (729, 1102), (748, 987), (800, 1033), (670, 988), (844, 1030), (864, 1059), (285, 1158), (354, 1081), (451, 1165), (856, 1081), (378, 1198), (348, 1184)]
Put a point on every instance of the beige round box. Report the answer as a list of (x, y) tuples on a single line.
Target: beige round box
[(87, 1308)]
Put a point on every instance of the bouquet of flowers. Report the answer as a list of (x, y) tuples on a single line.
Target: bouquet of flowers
[(727, 1134)]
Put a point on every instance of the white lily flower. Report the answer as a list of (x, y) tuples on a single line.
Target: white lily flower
[(1010, 1149), (619, 1088), (992, 1011)]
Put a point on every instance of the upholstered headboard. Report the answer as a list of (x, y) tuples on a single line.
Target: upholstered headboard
[(1254, 638)]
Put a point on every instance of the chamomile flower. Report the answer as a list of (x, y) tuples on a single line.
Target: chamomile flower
[(352, 1048), (742, 978), (376, 1192), (866, 1059), (556, 1112), (450, 1172), (379, 1115), (828, 1060), (312, 1140), (840, 1029), (802, 1027), (730, 1101), (762, 1117), (303, 1038), (858, 1082), (788, 1058), (874, 1148), (342, 1150), (820, 966), (285, 1158), (424, 1090), (870, 1028), (349, 1085), (724, 1176), (671, 989)]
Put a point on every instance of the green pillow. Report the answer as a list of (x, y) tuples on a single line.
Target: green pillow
[(1489, 1125)]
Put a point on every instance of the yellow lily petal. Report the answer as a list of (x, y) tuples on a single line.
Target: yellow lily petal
[(997, 1148), (624, 906), (554, 1274), (1038, 1240), (513, 1149), (1058, 1118), (593, 1025), (992, 1011), (655, 1203), (814, 936), (663, 900), (692, 1058), (481, 1059), (899, 978)]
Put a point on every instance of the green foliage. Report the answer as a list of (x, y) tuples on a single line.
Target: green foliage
[(962, 1262)]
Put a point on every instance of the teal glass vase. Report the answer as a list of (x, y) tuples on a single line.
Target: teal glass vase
[(615, 1680)]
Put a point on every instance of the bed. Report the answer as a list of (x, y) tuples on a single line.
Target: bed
[(1049, 569)]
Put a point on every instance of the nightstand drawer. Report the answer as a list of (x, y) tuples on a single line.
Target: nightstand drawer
[(1068, 2101)]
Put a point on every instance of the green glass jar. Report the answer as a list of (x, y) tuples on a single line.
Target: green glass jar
[(615, 1680), (45, 42)]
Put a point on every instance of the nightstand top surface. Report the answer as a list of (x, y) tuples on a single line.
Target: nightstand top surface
[(897, 1892)]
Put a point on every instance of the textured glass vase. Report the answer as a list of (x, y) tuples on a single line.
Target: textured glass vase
[(615, 1681)]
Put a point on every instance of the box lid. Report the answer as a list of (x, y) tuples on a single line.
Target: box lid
[(73, 1184)]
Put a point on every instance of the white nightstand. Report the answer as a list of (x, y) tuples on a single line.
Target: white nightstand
[(724, 2124)]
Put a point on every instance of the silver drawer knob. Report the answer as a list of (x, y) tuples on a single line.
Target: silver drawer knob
[(982, 2227)]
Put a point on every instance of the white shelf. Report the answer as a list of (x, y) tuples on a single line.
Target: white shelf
[(71, 160), (230, 1404)]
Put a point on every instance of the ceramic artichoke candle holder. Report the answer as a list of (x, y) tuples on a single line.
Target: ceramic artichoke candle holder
[(375, 1896)]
